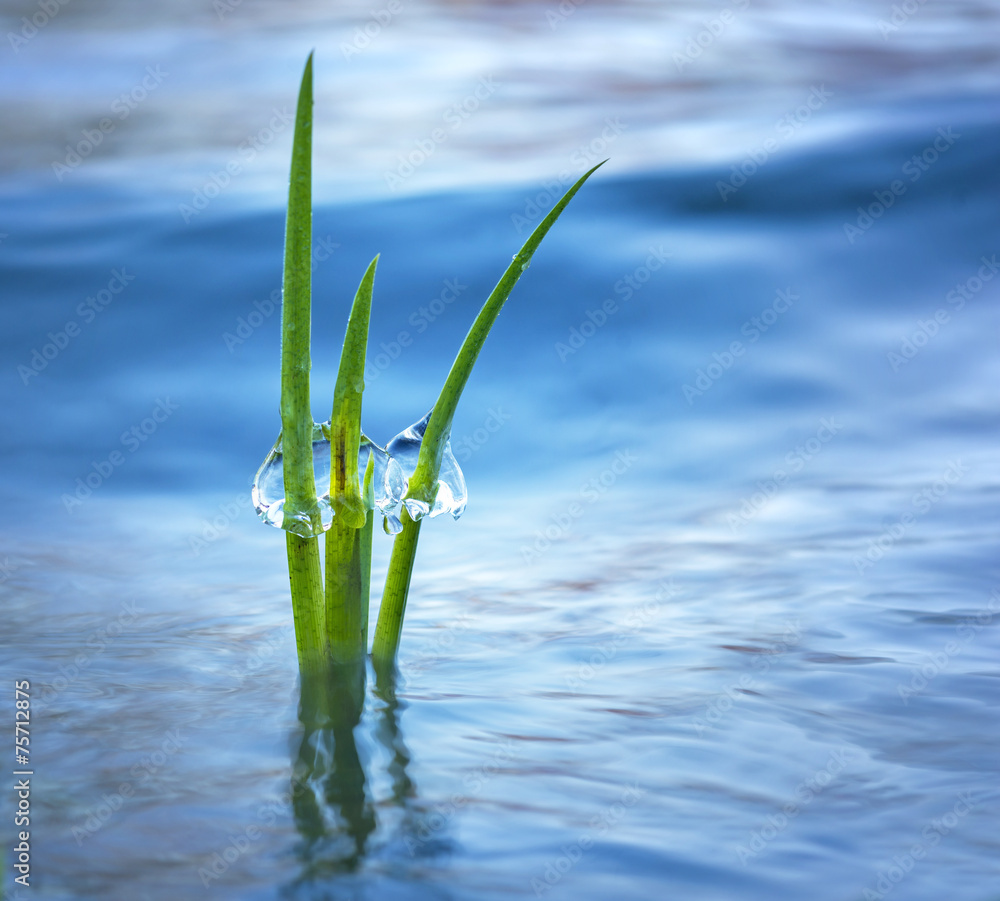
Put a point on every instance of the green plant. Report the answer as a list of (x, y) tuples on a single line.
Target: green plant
[(331, 613), (301, 507)]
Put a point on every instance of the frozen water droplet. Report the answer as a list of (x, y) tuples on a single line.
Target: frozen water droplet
[(268, 492), (392, 525), (416, 509), (405, 447), (388, 480), (452, 494)]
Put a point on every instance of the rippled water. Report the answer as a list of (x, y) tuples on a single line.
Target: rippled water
[(720, 619)]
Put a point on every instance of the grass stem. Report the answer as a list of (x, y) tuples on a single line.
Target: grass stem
[(348, 582), (349, 540), (306, 580), (397, 588)]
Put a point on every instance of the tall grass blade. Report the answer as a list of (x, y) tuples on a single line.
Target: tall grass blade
[(304, 571), (345, 421), (349, 540), (423, 483)]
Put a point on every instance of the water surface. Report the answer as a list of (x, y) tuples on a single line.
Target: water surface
[(720, 619)]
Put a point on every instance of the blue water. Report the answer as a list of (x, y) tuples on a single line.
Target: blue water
[(720, 620)]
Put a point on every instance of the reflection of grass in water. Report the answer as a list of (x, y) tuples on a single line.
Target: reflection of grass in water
[(331, 614), (340, 820), (334, 811)]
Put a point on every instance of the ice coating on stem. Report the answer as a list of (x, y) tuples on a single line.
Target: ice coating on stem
[(388, 479), (452, 494), (268, 493)]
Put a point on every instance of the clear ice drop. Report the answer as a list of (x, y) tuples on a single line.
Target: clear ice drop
[(388, 480), (451, 491), (268, 491)]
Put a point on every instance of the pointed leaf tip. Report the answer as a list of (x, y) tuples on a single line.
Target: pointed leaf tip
[(424, 480)]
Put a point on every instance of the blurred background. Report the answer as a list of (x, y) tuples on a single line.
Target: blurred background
[(719, 616)]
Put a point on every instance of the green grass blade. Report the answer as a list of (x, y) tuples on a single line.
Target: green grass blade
[(304, 570), (296, 413), (349, 539), (424, 480), (345, 421), (423, 483)]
